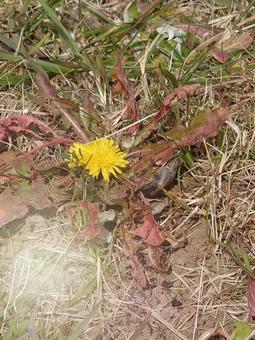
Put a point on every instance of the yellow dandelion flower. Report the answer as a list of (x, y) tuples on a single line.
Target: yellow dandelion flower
[(101, 156), (77, 154)]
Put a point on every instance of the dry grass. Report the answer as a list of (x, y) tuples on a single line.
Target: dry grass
[(53, 287)]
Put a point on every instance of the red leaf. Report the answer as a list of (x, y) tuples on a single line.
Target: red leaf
[(220, 55), (17, 159), (202, 32), (231, 42), (171, 99), (123, 83), (251, 295), (149, 231), (21, 123), (177, 94), (92, 210), (93, 228), (91, 232), (226, 41), (205, 125), (47, 90)]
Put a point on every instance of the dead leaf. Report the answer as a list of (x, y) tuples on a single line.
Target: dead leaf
[(47, 90), (205, 125), (251, 295), (149, 231), (61, 188), (12, 207), (130, 250), (61, 105), (91, 231), (138, 273), (122, 84), (159, 260), (215, 332), (21, 123), (37, 195), (87, 103), (9, 156)]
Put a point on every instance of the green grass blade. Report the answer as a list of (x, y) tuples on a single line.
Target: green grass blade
[(56, 67), (96, 13), (40, 16), (13, 79), (13, 43), (10, 56), (65, 34)]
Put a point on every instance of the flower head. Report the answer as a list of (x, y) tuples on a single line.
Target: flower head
[(102, 155)]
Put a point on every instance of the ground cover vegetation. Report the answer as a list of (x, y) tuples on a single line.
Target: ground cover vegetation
[(127, 176)]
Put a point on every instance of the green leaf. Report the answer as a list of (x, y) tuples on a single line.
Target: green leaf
[(13, 43), (54, 67), (95, 11), (16, 329), (13, 79), (243, 330), (62, 30), (186, 157), (48, 66), (44, 40), (10, 56), (40, 16), (133, 11)]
